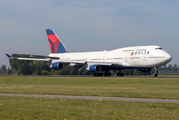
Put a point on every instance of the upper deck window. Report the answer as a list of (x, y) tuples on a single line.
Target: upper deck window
[(127, 50)]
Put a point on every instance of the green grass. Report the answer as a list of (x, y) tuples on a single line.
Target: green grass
[(59, 109), (165, 88), (168, 75), (72, 109)]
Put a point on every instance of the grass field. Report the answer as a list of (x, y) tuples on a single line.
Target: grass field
[(60, 109), (165, 88)]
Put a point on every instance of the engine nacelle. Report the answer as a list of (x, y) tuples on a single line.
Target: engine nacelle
[(145, 69), (57, 66), (94, 68)]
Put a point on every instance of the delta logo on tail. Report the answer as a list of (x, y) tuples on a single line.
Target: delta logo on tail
[(56, 46)]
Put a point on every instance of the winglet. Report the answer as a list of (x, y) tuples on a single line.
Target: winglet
[(8, 56)]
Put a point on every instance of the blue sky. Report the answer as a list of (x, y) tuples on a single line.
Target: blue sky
[(88, 25)]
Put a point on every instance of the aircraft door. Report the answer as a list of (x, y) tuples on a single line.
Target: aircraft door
[(145, 58), (126, 59), (104, 58)]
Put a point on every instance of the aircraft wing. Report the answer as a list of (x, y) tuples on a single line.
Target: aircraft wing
[(36, 59), (54, 59), (75, 62)]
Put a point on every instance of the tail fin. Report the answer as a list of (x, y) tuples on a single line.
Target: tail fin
[(55, 43)]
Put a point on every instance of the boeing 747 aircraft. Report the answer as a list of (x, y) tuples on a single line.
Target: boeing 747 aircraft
[(143, 58)]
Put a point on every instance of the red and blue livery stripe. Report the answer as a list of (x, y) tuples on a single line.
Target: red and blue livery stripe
[(56, 45)]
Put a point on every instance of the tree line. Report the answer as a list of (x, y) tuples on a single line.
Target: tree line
[(23, 67)]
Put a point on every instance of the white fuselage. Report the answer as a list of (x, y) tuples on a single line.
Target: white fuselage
[(139, 56)]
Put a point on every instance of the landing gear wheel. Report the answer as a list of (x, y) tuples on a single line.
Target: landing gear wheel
[(107, 74), (120, 74), (97, 74), (94, 74)]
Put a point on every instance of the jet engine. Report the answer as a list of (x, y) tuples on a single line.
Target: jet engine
[(57, 66), (94, 68)]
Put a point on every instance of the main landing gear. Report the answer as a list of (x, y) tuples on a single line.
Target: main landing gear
[(97, 74), (106, 74), (156, 72), (120, 74)]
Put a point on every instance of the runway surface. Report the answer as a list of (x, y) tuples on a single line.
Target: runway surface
[(95, 98), (147, 76)]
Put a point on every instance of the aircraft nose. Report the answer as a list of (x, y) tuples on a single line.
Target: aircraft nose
[(168, 57)]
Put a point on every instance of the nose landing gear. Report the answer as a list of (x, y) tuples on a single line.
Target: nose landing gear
[(156, 72)]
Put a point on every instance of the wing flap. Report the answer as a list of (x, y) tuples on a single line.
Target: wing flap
[(106, 63), (41, 56), (35, 59)]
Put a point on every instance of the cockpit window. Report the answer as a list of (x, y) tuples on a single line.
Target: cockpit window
[(158, 49)]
